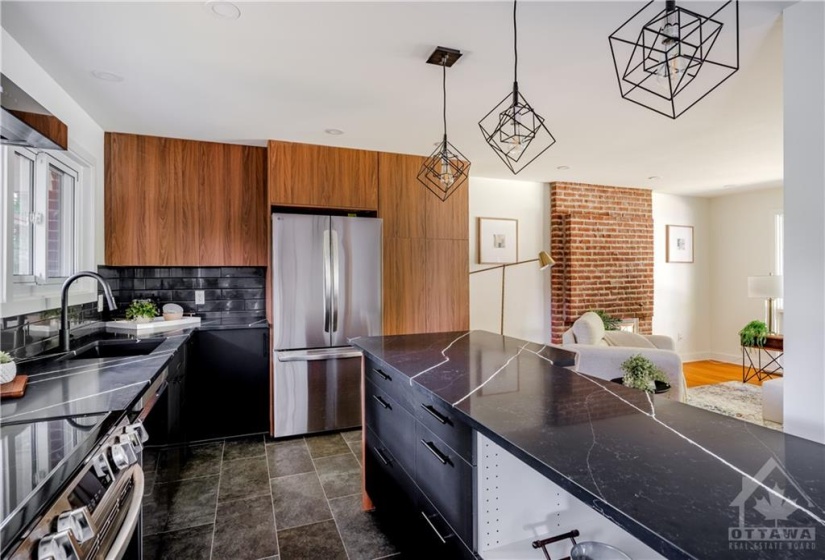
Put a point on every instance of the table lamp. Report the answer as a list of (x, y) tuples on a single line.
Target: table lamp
[(545, 261), (769, 288)]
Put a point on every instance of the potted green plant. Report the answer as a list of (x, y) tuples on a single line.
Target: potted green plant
[(141, 311), (8, 369), (754, 333), (610, 323), (641, 373)]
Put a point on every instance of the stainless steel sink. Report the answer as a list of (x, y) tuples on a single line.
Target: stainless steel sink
[(114, 349)]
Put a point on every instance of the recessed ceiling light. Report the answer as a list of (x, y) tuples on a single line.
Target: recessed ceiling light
[(224, 10), (334, 131), (563, 167), (654, 178), (106, 76)]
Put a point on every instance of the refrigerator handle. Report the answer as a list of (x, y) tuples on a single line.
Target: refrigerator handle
[(327, 281), (335, 280)]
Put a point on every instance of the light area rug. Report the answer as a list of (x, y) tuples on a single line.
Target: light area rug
[(732, 398)]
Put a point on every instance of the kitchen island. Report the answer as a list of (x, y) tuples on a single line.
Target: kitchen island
[(553, 450)]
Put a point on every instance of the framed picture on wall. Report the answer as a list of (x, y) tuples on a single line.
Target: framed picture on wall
[(497, 240), (679, 244)]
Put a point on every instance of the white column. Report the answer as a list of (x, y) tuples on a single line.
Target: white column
[(804, 110)]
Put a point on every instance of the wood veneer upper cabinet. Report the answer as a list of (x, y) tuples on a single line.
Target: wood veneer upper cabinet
[(402, 200), (151, 201), (233, 217), (448, 219), (172, 202), (322, 176)]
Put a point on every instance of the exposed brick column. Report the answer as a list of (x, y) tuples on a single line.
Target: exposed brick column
[(602, 242)]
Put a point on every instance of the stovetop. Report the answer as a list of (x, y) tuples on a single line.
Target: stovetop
[(37, 459)]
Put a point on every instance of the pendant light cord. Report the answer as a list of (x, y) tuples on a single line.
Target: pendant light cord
[(515, 43), (444, 90)]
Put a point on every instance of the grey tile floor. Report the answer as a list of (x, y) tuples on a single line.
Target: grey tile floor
[(252, 499)]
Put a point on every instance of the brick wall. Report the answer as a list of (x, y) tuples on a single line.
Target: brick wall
[(602, 239)]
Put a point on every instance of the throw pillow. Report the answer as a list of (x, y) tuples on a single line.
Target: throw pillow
[(627, 339), (588, 329)]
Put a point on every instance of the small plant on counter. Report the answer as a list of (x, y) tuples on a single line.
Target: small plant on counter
[(610, 323), (641, 373), (8, 369), (141, 311), (754, 334)]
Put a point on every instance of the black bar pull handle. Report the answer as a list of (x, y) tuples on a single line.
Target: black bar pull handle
[(383, 375), (434, 450), (436, 531), (382, 402), (382, 457), (434, 413)]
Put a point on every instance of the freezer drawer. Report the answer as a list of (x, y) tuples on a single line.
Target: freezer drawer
[(316, 391)]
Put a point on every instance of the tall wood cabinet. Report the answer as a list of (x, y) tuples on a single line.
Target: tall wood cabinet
[(171, 202), (426, 252)]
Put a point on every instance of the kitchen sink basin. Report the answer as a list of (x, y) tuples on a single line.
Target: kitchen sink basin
[(114, 349)]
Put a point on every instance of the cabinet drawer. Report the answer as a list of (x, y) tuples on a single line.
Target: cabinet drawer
[(391, 381), (439, 539), (446, 479), (382, 459), (441, 419), (392, 424)]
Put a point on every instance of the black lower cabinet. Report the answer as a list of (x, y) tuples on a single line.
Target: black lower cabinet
[(227, 391), (165, 422)]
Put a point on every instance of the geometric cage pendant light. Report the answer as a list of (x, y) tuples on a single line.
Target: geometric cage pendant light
[(446, 169), (513, 129), (668, 60)]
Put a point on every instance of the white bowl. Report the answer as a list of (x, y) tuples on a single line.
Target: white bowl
[(172, 316)]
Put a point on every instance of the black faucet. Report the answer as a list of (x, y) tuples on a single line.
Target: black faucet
[(64, 303)]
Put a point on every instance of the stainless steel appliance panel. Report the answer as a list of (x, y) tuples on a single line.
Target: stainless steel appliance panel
[(356, 278), (317, 391), (301, 281)]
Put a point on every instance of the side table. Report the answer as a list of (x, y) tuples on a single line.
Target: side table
[(770, 354)]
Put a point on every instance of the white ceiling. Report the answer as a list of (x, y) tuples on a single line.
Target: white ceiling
[(291, 70)]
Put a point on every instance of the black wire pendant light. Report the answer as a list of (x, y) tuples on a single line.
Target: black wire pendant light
[(446, 169), (658, 55), (512, 128)]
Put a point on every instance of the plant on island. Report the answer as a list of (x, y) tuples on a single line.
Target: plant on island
[(141, 310), (641, 373), (610, 323), (8, 369), (754, 333)]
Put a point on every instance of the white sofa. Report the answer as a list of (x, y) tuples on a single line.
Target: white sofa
[(600, 353)]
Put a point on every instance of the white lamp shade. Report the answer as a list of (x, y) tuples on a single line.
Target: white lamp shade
[(765, 286)]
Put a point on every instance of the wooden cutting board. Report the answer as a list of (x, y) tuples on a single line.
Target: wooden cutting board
[(15, 388)]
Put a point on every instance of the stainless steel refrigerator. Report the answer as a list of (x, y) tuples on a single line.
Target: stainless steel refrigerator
[(326, 287)]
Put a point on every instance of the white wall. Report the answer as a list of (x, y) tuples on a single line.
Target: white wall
[(527, 298), (681, 291), (85, 141), (804, 122), (741, 245)]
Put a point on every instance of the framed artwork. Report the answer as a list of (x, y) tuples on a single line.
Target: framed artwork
[(679, 244), (497, 240), (629, 325)]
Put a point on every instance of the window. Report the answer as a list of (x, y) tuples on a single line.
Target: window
[(779, 249), (44, 209)]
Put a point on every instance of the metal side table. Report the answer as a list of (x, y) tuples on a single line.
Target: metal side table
[(763, 362)]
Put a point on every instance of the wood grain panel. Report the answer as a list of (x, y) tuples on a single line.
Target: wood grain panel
[(121, 206), (404, 288), (448, 285), (322, 176), (48, 125), (402, 199), (449, 219)]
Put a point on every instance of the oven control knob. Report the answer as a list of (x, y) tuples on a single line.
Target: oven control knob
[(58, 546), (134, 439), (138, 429), (79, 522), (123, 454), (101, 466)]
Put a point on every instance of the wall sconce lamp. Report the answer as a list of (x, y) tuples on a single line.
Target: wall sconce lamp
[(545, 261)]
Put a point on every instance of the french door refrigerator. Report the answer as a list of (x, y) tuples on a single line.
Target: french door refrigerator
[(326, 288)]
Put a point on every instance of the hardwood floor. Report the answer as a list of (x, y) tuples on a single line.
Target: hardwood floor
[(707, 372)]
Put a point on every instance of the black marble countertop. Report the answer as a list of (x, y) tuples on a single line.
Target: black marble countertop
[(92, 386), (675, 476)]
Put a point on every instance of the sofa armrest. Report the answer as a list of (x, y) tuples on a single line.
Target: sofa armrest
[(661, 341), (606, 363)]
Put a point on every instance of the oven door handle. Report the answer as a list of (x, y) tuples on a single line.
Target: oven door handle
[(127, 529), (150, 404)]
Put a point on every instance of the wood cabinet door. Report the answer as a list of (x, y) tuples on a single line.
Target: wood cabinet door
[(322, 176), (405, 288), (402, 199), (151, 200), (448, 219), (232, 213), (448, 285)]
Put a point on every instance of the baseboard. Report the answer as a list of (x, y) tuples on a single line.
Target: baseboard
[(695, 356), (728, 358)]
